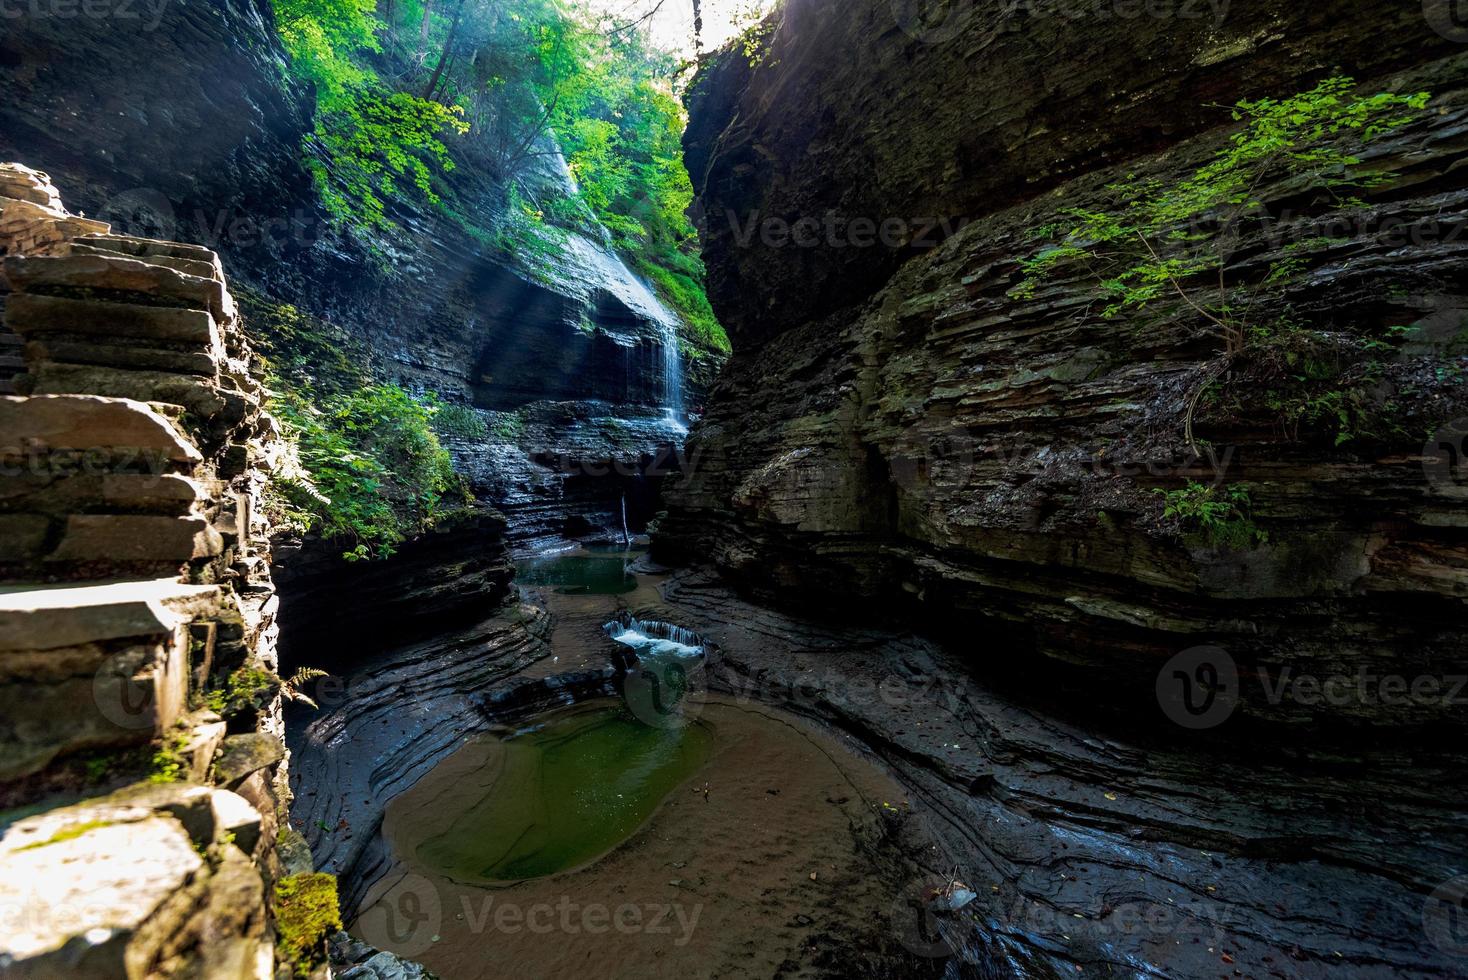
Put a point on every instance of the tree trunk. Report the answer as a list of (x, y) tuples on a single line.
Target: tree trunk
[(423, 30), (443, 58)]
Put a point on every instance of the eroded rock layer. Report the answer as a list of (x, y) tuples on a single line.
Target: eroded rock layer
[(140, 725), (913, 428)]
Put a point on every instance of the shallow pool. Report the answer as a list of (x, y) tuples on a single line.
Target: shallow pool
[(556, 796)]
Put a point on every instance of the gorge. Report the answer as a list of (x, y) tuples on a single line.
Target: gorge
[(1051, 562)]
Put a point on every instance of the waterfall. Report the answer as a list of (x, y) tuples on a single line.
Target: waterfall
[(672, 377), (626, 538), (653, 638)]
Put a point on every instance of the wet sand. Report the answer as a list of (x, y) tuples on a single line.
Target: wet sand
[(770, 860)]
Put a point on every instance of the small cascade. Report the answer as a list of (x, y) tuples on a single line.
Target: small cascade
[(626, 538), (673, 378), (654, 638)]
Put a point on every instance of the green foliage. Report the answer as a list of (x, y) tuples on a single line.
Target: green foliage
[(1315, 385), (247, 689), (306, 912), (374, 143), (459, 421), (168, 763), (1219, 517), (301, 349), (1167, 236), (368, 138), (621, 126), (397, 83), (509, 426), (683, 291), (377, 471)]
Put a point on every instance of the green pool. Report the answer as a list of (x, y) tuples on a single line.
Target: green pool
[(558, 796), (587, 571)]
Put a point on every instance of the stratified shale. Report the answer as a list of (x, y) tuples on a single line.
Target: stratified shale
[(913, 427)]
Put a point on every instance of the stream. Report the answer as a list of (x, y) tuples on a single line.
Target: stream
[(661, 828)]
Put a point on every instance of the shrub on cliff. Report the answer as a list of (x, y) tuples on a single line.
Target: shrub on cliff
[(376, 471)]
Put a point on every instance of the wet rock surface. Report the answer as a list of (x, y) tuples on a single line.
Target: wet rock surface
[(949, 449), (387, 719), (1101, 843), (567, 470)]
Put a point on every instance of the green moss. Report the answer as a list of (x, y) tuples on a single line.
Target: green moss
[(460, 421), (306, 912), (247, 689), (68, 833), (168, 764), (508, 426)]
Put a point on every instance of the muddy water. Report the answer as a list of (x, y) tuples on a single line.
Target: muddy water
[(739, 842), (553, 797), (765, 860)]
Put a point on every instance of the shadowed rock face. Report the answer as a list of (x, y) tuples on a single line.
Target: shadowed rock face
[(922, 113), (1100, 849), (182, 124), (992, 464)]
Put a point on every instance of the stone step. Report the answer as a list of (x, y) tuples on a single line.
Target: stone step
[(93, 666), (11, 365), (86, 350), (119, 276), (52, 616), (39, 490), (111, 427), (198, 395), (205, 269), (31, 315), (131, 245), (106, 884)]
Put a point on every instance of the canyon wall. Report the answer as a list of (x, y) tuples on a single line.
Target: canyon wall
[(906, 426), (183, 123)]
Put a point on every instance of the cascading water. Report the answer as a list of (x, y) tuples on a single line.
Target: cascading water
[(672, 378)]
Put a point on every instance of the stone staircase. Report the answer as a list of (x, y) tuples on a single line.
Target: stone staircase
[(134, 580)]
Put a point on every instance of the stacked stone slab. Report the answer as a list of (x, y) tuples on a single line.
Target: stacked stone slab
[(32, 221), (134, 578)]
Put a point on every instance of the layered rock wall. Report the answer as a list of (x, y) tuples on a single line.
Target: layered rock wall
[(183, 123), (137, 615), (905, 425)]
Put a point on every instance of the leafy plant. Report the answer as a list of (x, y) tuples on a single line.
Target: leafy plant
[(292, 688), (377, 472), (368, 138), (1169, 235), (1219, 516), (459, 421)]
